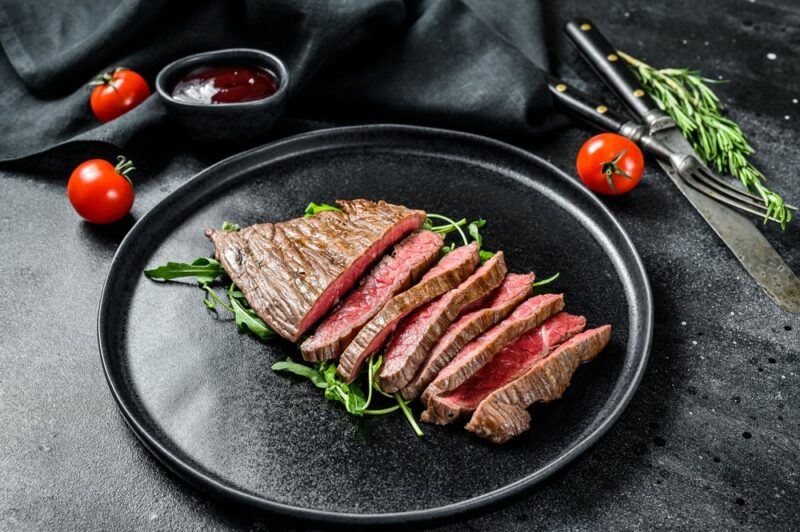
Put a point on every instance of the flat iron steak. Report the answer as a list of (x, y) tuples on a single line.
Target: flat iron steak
[(478, 317), (394, 273), (293, 272), (418, 333), (447, 274), (503, 414), (482, 349), (510, 363)]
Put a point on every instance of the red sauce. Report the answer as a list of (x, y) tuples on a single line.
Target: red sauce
[(225, 84)]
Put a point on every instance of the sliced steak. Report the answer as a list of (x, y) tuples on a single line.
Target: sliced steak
[(419, 332), (394, 273), (293, 272), (510, 363), (478, 317), (482, 349), (503, 415), (446, 275)]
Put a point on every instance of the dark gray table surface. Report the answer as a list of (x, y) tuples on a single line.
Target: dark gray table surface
[(711, 438)]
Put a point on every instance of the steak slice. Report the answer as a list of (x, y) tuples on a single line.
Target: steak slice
[(393, 274), (419, 332), (482, 349), (503, 415), (510, 363), (293, 272), (447, 274), (490, 311)]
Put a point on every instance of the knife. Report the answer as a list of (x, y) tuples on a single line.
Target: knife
[(750, 247)]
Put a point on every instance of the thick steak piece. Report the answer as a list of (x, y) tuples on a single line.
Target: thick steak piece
[(477, 318), (293, 272), (446, 275), (394, 273), (419, 332), (503, 415), (510, 363), (482, 349)]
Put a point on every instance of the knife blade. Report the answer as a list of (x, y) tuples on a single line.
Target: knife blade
[(747, 243)]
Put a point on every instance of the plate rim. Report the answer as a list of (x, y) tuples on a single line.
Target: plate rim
[(209, 485)]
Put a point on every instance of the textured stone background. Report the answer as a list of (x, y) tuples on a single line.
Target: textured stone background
[(710, 440)]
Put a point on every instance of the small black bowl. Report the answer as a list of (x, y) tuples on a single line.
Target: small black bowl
[(228, 123)]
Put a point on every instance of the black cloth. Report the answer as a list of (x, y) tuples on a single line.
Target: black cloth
[(478, 65)]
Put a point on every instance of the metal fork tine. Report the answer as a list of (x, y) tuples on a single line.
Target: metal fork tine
[(716, 182), (720, 186), (701, 186)]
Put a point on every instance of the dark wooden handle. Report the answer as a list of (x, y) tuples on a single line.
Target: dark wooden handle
[(611, 68), (584, 107)]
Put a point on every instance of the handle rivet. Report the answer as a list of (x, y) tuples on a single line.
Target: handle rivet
[(613, 57), (602, 109), (586, 27), (638, 93), (561, 87)]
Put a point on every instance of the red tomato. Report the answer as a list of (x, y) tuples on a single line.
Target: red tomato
[(117, 92), (610, 164), (100, 192)]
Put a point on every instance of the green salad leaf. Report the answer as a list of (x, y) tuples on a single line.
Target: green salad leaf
[(548, 280), (230, 227), (248, 320), (314, 208), (204, 269)]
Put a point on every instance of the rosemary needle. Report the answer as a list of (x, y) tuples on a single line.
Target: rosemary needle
[(685, 96)]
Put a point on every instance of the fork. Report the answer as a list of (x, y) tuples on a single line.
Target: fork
[(689, 167)]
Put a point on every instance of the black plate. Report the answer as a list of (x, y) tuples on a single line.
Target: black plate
[(203, 399)]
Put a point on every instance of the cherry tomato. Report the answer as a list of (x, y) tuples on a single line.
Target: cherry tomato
[(117, 92), (610, 164), (101, 192)]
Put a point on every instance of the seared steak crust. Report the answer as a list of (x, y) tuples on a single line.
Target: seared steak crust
[(293, 272), (447, 274), (503, 415), (482, 349), (419, 332), (510, 363), (477, 318), (394, 273)]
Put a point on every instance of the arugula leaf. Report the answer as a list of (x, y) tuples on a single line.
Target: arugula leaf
[(474, 231), (356, 402), (247, 319), (204, 269), (548, 280), (230, 227), (486, 255), (236, 294), (314, 208), (301, 370)]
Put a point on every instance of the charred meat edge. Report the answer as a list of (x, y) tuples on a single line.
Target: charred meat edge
[(433, 284), (318, 348), (546, 306), (443, 409), (449, 306), (503, 414), (476, 321), (290, 317)]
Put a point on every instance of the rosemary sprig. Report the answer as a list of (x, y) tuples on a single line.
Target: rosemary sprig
[(685, 96)]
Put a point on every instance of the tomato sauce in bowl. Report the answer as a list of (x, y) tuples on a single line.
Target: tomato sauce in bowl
[(225, 84)]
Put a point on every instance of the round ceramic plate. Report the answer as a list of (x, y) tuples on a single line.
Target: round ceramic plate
[(202, 398)]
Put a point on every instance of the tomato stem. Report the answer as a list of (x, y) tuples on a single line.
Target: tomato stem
[(106, 78), (124, 166), (610, 169)]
